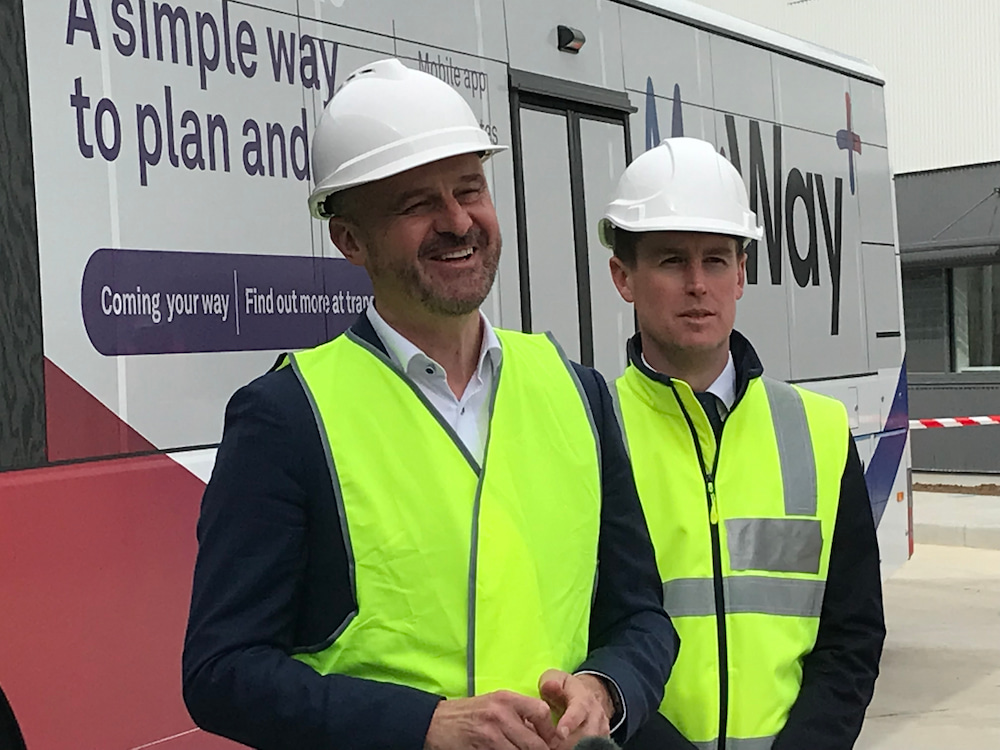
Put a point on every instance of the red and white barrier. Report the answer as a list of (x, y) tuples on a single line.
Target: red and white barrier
[(923, 424)]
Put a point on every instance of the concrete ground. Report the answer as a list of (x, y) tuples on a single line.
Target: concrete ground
[(956, 509), (939, 687)]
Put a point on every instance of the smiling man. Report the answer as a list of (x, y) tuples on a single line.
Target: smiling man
[(752, 488), (424, 533)]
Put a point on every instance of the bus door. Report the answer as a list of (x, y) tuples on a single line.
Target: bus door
[(571, 144)]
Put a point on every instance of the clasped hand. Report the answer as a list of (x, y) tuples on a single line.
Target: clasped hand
[(571, 707)]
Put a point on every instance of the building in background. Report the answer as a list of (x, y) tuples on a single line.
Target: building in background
[(941, 63)]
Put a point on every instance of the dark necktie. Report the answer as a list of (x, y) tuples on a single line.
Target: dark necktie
[(710, 403)]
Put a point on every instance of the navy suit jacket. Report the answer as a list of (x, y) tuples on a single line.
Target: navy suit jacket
[(272, 576)]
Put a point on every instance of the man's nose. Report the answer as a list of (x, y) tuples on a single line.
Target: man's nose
[(695, 278), (453, 218)]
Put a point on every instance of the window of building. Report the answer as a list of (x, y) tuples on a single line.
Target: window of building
[(926, 317), (975, 293), (952, 318)]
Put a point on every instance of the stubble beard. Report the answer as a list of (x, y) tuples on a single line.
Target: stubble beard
[(408, 277)]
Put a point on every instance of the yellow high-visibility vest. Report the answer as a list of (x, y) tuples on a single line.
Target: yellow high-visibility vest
[(467, 578), (742, 538)]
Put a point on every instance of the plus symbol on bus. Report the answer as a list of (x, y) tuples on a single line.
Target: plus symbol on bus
[(849, 141)]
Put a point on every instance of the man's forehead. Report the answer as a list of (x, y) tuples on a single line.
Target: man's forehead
[(454, 170), (391, 193), (688, 242)]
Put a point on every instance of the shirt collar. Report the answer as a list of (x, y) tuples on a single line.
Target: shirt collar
[(724, 387), (406, 354)]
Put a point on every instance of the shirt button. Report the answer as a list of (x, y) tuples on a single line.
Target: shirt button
[(463, 410), (430, 370)]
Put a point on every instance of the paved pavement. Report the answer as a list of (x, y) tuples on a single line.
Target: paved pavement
[(964, 511), (939, 687)]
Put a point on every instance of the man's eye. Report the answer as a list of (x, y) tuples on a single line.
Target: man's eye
[(413, 208), (468, 196)]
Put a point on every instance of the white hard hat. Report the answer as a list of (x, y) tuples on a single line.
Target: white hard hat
[(682, 185), (385, 119)]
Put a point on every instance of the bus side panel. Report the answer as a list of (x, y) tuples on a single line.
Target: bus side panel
[(97, 559), (532, 37), (671, 56), (878, 414)]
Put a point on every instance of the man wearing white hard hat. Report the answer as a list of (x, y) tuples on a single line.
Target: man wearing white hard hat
[(424, 533), (752, 488)]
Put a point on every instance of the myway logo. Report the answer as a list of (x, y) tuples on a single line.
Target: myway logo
[(776, 208), (773, 199)]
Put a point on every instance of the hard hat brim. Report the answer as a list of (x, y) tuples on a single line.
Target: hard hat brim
[(405, 163), (747, 233)]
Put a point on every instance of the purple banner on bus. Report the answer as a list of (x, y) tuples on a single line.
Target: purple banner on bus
[(161, 302)]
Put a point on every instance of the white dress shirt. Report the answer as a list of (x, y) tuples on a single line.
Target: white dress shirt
[(469, 415), (724, 388)]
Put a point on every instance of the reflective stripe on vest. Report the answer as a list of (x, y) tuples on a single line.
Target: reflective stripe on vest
[(466, 579), (771, 499), (739, 743), (695, 597)]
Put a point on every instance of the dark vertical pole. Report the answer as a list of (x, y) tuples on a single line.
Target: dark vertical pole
[(628, 160), (627, 120), (580, 239), (22, 390), (524, 275), (948, 274)]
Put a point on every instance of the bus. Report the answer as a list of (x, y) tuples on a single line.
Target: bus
[(158, 254)]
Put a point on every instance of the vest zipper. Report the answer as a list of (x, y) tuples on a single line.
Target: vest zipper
[(720, 599)]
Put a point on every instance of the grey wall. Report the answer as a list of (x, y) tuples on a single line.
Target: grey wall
[(947, 218), (928, 202), (960, 449)]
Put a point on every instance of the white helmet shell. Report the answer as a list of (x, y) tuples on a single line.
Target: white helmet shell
[(385, 119), (682, 185)]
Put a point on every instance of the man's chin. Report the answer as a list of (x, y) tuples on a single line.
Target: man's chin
[(701, 344), (454, 307), (456, 301)]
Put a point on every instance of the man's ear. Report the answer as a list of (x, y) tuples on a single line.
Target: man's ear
[(622, 276), (345, 237), (741, 263)]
